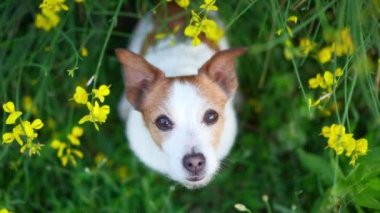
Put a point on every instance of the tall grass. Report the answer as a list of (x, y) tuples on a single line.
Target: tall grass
[(279, 153)]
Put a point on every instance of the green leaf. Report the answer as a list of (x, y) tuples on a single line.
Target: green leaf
[(317, 165)]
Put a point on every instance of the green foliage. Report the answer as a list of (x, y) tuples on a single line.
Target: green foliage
[(279, 163)]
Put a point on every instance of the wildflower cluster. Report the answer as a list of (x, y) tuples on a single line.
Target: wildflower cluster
[(325, 82), (65, 150), (23, 132), (48, 18), (342, 142), (339, 44), (97, 114), (200, 24)]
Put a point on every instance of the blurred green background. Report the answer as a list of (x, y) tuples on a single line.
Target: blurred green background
[(279, 163)]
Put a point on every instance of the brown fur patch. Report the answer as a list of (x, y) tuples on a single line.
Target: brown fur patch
[(150, 107)]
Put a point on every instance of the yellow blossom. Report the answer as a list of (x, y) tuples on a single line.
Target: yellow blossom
[(325, 55), (46, 20), (209, 5), (183, 3), (34, 148), (306, 46), (211, 30), (17, 132), (74, 135), (83, 52), (343, 44), (9, 107), (341, 142), (98, 114), (54, 5), (101, 92), (3, 210), (361, 148), (328, 78), (8, 137), (313, 83), (80, 95), (59, 146), (206, 26), (293, 19), (66, 153), (339, 72)]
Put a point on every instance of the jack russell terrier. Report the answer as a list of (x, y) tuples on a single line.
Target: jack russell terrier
[(178, 109)]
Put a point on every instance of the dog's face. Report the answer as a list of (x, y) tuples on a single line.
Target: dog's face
[(184, 115)]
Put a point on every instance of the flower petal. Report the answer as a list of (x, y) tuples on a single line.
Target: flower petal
[(8, 137), (37, 124), (9, 107), (13, 117)]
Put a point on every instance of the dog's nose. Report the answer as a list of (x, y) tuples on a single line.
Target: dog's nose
[(194, 163)]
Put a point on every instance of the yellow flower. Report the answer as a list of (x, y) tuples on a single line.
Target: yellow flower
[(54, 5), (313, 83), (329, 78), (293, 19), (211, 30), (8, 137), (183, 3), (343, 44), (209, 5), (69, 156), (83, 52), (101, 92), (80, 96), (306, 46), (59, 146), (3, 210), (37, 124), (34, 148), (339, 72), (74, 135), (98, 114), (9, 107), (341, 142), (17, 132), (361, 148), (193, 31), (325, 54), (207, 26), (46, 20)]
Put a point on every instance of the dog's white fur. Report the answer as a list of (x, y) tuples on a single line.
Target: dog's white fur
[(185, 105)]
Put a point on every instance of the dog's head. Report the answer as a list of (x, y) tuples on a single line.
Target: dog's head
[(184, 115)]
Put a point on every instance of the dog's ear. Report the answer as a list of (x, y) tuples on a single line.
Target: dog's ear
[(221, 69), (139, 75)]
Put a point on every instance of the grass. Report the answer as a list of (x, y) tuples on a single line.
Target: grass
[(279, 152)]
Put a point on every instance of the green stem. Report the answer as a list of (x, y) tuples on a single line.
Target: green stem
[(112, 25)]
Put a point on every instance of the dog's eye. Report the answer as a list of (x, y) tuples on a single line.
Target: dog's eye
[(210, 117), (164, 123)]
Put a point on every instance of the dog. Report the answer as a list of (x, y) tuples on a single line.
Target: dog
[(178, 104)]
